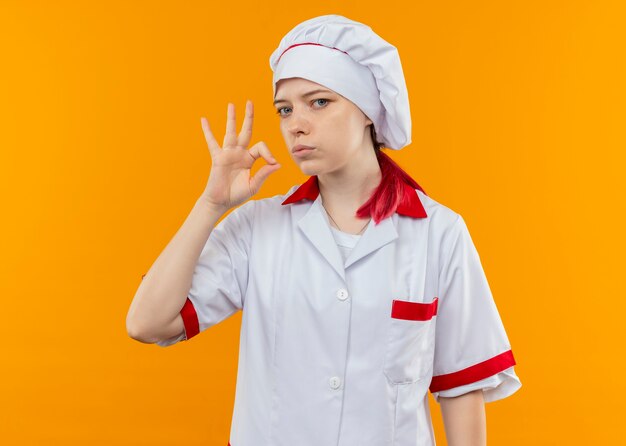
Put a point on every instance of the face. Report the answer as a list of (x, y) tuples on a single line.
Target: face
[(315, 116)]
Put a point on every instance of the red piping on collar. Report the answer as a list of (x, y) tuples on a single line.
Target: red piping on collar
[(411, 207)]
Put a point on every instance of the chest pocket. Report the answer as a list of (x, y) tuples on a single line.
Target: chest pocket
[(410, 340)]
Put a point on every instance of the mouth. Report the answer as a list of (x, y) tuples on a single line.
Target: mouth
[(301, 147)]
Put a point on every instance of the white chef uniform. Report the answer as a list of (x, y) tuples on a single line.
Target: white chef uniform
[(342, 351)]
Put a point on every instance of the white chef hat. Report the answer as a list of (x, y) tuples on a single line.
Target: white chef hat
[(352, 60)]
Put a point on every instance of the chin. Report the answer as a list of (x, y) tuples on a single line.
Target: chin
[(310, 168)]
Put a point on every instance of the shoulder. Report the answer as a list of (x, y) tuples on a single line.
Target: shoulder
[(441, 218), (449, 229), (260, 209)]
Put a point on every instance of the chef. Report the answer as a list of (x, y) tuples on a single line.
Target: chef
[(344, 331)]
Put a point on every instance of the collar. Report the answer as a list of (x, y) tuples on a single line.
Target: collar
[(411, 206)]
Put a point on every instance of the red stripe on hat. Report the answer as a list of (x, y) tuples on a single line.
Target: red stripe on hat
[(307, 43)]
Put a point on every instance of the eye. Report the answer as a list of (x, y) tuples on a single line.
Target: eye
[(278, 111)]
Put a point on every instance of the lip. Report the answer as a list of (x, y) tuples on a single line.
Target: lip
[(301, 147)]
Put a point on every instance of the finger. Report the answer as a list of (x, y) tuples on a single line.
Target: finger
[(230, 138), (208, 136), (246, 129), (259, 178), (260, 149)]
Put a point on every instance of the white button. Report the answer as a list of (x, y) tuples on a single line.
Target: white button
[(335, 382), (342, 294)]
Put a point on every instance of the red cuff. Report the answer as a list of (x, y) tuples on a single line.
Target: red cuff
[(190, 319), (473, 373)]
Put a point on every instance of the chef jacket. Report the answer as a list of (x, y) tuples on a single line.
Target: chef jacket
[(342, 351)]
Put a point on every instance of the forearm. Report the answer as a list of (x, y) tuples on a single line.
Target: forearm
[(163, 291), (464, 419)]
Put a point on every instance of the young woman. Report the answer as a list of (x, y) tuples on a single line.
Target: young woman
[(359, 292)]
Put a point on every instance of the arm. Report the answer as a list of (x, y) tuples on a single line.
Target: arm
[(154, 313), (464, 419)]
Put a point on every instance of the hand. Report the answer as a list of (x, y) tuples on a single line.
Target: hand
[(229, 181)]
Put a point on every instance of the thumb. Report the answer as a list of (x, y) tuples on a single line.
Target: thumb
[(259, 178)]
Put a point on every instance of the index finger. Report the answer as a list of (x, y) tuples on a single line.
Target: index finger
[(208, 136)]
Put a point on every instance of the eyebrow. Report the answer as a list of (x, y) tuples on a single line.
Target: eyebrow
[(312, 92)]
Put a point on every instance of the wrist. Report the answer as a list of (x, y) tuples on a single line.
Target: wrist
[(213, 208)]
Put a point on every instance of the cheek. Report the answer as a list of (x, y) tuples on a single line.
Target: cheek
[(349, 130), (283, 131)]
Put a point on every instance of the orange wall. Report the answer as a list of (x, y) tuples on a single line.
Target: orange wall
[(518, 125)]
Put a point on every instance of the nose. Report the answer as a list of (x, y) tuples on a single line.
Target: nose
[(298, 122)]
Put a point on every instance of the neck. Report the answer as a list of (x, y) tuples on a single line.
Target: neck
[(351, 186)]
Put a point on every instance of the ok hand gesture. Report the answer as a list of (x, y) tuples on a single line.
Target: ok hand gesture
[(229, 181)]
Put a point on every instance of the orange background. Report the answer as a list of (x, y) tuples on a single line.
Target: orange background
[(518, 125)]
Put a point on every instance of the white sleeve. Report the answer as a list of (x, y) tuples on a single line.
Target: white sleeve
[(220, 277), (472, 350)]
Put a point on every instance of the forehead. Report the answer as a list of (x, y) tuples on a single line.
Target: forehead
[(294, 86)]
